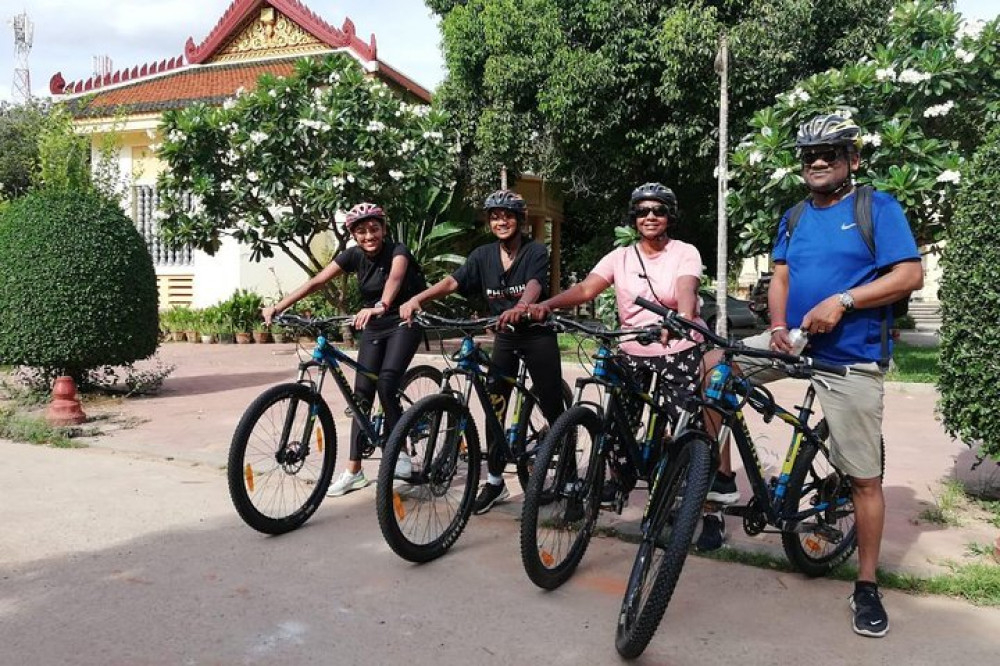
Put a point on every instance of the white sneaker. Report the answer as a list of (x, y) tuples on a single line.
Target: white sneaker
[(346, 483), (404, 467)]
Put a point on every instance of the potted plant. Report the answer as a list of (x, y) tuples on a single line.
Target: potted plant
[(177, 320), (243, 310), (192, 320), (208, 325), (280, 335), (261, 333)]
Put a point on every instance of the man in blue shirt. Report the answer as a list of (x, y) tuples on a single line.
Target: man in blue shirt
[(827, 282)]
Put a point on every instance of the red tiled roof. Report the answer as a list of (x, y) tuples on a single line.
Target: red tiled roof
[(210, 84), (157, 86)]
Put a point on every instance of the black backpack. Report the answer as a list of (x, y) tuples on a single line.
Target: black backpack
[(863, 218)]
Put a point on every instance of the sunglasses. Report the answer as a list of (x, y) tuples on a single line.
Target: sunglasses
[(642, 211), (828, 155)]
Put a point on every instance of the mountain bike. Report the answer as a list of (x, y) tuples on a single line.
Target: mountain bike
[(564, 495), (809, 503), (284, 450), (422, 514)]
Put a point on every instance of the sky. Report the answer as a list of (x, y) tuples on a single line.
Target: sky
[(69, 33)]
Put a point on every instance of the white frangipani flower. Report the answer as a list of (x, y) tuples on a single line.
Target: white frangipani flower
[(939, 109), (780, 173), (885, 74), (913, 76), (874, 139), (965, 56), (755, 157), (396, 175), (949, 176)]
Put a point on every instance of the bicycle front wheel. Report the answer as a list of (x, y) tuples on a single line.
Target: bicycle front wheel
[(675, 504), (281, 458), (562, 499), (825, 538), (427, 478)]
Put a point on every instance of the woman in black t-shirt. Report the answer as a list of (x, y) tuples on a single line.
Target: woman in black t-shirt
[(387, 275), (512, 273)]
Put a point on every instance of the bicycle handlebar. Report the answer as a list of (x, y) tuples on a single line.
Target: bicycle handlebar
[(683, 327), (429, 321), (293, 320), (558, 322)]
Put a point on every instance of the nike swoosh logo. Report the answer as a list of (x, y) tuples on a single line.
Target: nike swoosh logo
[(875, 622), (845, 227)]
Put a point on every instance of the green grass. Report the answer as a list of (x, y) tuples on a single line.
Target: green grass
[(976, 582), (33, 430), (948, 504), (914, 364)]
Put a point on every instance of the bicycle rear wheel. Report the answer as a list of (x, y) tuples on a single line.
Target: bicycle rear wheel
[(535, 427), (562, 499), (281, 458), (422, 514), (824, 540), (418, 382), (675, 504)]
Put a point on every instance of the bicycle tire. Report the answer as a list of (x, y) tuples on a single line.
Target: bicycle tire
[(652, 580), (417, 383), (408, 509), (560, 508), (817, 552), (535, 427), (276, 488)]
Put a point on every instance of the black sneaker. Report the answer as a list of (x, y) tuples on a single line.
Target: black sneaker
[(713, 533), (870, 618), (609, 494), (489, 495), (724, 490)]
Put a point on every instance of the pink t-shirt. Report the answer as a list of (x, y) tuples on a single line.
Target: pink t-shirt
[(622, 268)]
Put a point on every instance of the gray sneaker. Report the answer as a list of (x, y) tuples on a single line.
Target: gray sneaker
[(347, 483)]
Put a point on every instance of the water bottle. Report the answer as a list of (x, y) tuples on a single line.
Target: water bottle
[(798, 339), (600, 364)]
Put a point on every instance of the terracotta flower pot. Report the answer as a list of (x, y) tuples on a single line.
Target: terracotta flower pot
[(243, 338), (281, 338), (262, 337), (192, 336), (178, 336)]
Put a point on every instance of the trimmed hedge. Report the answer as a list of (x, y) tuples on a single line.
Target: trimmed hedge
[(77, 284), (970, 306)]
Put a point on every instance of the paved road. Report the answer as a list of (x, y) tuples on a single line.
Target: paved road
[(112, 557)]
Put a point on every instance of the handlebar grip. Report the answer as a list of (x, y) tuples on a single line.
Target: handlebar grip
[(829, 367), (653, 307)]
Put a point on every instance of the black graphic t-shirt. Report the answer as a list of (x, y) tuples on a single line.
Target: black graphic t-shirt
[(373, 272), (483, 273)]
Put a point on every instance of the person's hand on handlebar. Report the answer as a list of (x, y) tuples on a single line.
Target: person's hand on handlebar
[(268, 313), (408, 309), (513, 316), (538, 311)]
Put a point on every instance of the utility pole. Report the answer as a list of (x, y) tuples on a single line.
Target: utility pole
[(24, 32), (722, 69), (503, 178)]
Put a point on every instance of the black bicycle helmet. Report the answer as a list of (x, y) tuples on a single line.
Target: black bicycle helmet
[(507, 200), (829, 130), (656, 192)]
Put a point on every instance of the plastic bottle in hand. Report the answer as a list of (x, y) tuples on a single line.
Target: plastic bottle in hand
[(798, 339)]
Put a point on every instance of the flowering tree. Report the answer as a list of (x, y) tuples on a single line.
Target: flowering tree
[(923, 99), (272, 168)]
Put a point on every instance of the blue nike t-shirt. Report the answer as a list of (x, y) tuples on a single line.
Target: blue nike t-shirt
[(827, 255)]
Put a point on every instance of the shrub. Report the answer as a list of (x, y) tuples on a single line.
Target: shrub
[(970, 306), (77, 285)]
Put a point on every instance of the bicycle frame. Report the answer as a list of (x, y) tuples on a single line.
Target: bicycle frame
[(327, 356), (726, 395), (473, 364)]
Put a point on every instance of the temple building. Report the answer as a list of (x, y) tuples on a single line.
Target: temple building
[(253, 37)]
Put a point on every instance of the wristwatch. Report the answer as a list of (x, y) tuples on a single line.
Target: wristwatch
[(846, 301), (380, 304)]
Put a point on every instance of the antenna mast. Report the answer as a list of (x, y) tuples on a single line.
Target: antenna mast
[(24, 32)]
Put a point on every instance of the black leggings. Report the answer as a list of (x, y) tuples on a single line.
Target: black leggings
[(541, 356), (387, 352)]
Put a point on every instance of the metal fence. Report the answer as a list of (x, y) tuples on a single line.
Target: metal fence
[(145, 201)]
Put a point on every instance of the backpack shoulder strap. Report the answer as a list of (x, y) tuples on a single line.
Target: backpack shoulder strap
[(793, 217), (863, 215)]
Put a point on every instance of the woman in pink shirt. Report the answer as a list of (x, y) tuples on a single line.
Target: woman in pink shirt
[(664, 270), (659, 268)]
